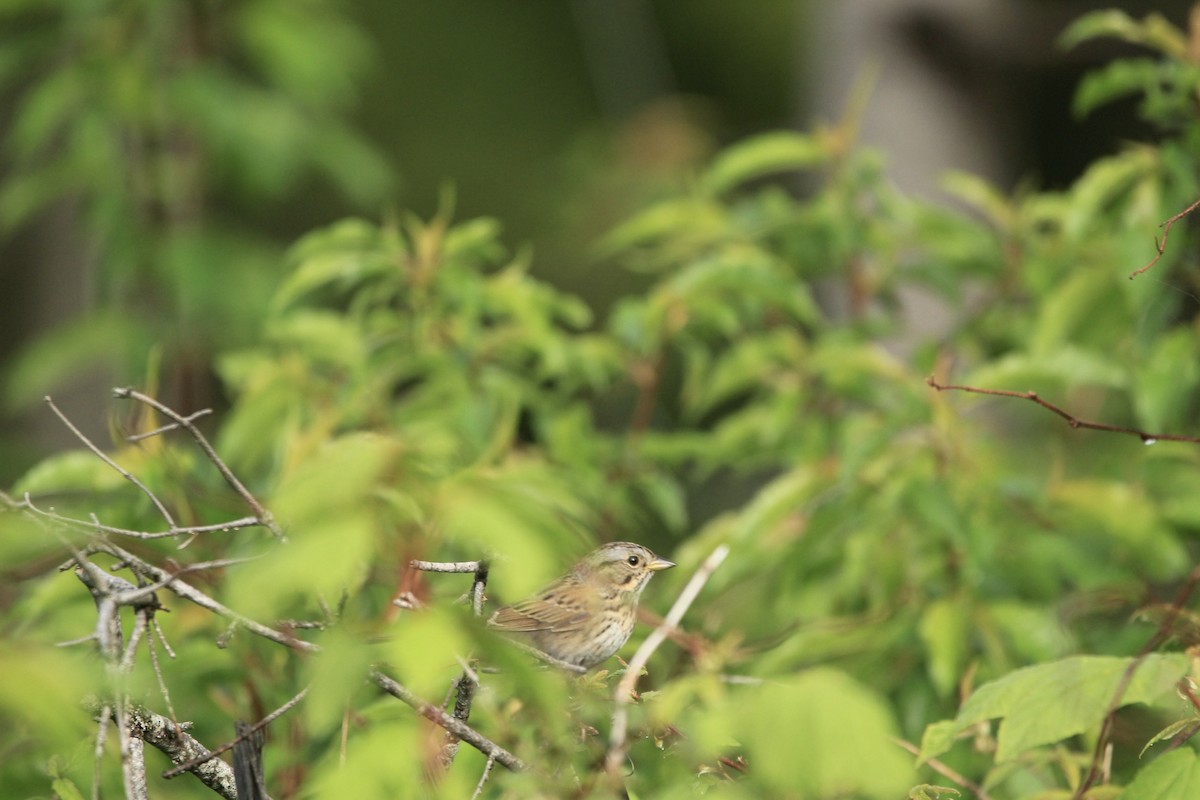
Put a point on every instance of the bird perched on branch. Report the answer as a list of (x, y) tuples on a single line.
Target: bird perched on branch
[(585, 616)]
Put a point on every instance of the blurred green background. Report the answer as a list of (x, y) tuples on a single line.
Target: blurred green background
[(657, 270), (159, 157)]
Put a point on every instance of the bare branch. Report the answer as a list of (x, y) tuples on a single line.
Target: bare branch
[(133, 761), (189, 592), (441, 718), (264, 517), (169, 737), (617, 744), (95, 526), (449, 566), (100, 454), (1071, 419)]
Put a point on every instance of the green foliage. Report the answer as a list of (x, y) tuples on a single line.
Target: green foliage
[(1048, 702), (1175, 774), (166, 127), (899, 556)]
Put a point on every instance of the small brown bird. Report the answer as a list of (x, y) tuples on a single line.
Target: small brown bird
[(586, 615)]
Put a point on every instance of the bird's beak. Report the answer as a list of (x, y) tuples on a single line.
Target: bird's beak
[(659, 564)]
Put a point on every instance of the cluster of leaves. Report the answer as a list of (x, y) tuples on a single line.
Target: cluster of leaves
[(416, 393)]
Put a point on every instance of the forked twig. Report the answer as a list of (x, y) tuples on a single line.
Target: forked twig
[(1160, 245), (262, 514)]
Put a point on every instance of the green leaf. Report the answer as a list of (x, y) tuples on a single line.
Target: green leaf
[(1034, 632), (322, 558), (74, 470), (1119, 517), (37, 679), (475, 241), (1171, 776), (323, 505), (1166, 381), (1154, 31), (1065, 366), (424, 649), (983, 196), (321, 337), (843, 724), (1114, 81), (1093, 195), (1169, 732), (929, 791), (338, 476), (748, 366), (761, 155), (685, 221), (370, 765), (665, 497), (489, 518), (1046, 703), (65, 353), (310, 53), (335, 676), (945, 630), (44, 111), (64, 788)]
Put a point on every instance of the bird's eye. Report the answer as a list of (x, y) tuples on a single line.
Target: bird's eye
[(633, 561)]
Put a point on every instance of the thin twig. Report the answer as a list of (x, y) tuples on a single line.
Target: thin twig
[(457, 727), (945, 771), (487, 770), (190, 766), (95, 526), (618, 746), (98, 749), (1160, 245), (170, 426), (262, 514), (1071, 419), (100, 454)]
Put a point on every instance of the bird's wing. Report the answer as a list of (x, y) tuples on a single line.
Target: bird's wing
[(542, 613)]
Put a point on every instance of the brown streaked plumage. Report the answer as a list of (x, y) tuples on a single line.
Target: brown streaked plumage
[(585, 616)]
